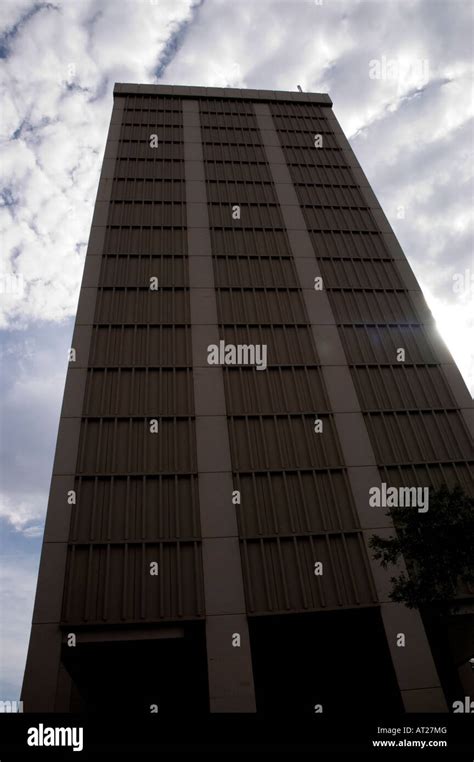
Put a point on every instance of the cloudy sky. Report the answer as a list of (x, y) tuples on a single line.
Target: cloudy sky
[(399, 73)]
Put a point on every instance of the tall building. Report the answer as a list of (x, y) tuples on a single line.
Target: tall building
[(252, 355)]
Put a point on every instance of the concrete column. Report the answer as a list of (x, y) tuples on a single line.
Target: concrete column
[(46, 683), (231, 687), (414, 666)]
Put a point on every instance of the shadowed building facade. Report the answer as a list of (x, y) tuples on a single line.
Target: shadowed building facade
[(206, 541)]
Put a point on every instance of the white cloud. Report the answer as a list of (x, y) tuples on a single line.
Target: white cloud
[(50, 170), (25, 516)]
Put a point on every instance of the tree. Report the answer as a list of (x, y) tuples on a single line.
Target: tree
[(438, 549)]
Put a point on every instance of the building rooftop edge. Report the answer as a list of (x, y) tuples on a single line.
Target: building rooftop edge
[(191, 91)]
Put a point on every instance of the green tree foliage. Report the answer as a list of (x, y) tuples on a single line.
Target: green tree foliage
[(438, 548)]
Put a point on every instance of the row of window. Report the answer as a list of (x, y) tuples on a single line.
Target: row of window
[(284, 125), (282, 306), (142, 305), (307, 121), (220, 214), (401, 386), (274, 243), (131, 213), (150, 345), (140, 190), (131, 270), (373, 307), (279, 574), (154, 167), (254, 272), (111, 583), (250, 137), (262, 442), (297, 110), (170, 345), (418, 436), (292, 125), (145, 190), (226, 106), (339, 219), (169, 104), (329, 195), (163, 104), (134, 150), (131, 508), (278, 390), (149, 142), (152, 117), (294, 502), (146, 241), (380, 344), (127, 446), (432, 475), (309, 156), (360, 273), (131, 134), (320, 215), (218, 134), (229, 153), (144, 101), (246, 271), (232, 192), (278, 578), (215, 105), (224, 121), (135, 508), (155, 190), (139, 392), (347, 245), (231, 171), (125, 214), (308, 175)]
